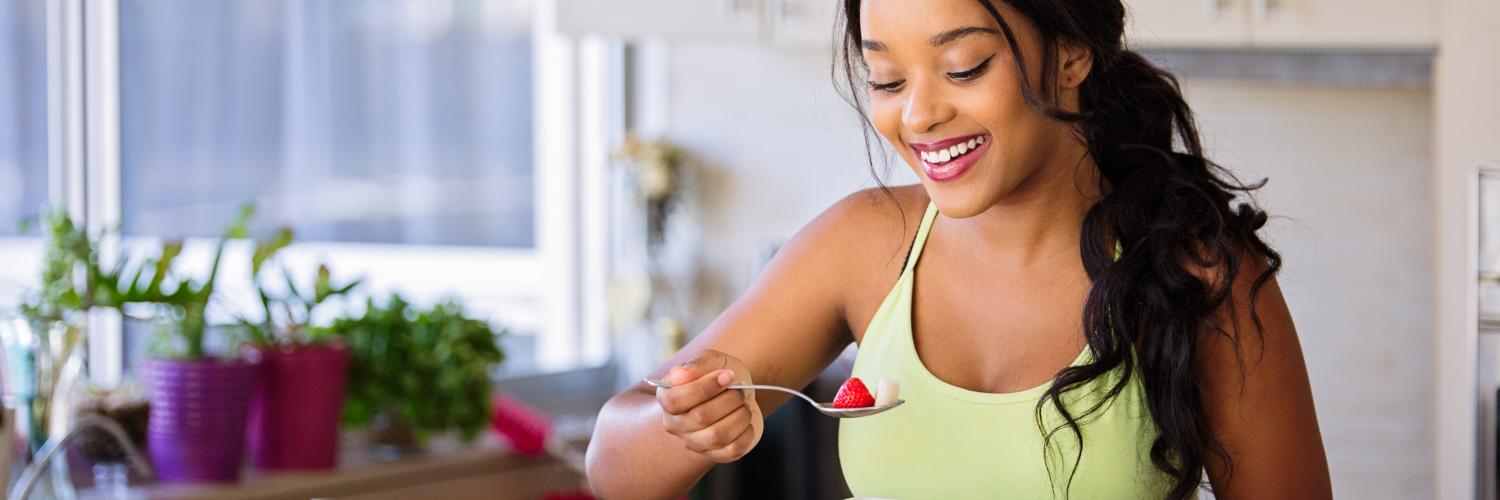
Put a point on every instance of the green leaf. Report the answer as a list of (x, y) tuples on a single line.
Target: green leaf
[(432, 365)]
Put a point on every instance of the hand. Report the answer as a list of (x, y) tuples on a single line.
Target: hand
[(720, 424)]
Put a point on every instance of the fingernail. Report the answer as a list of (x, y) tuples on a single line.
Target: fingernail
[(725, 378)]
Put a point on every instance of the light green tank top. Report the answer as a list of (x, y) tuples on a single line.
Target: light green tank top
[(951, 443)]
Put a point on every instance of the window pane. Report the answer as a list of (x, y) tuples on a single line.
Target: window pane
[(381, 121), (23, 112)]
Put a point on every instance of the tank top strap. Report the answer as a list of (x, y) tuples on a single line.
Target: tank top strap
[(921, 240)]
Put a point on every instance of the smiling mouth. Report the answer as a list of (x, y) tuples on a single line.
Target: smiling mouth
[(946, 151)]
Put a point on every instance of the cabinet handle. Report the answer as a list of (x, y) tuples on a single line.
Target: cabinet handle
[(785, 10), (736, 8), (1213, 9), (1263, 9)]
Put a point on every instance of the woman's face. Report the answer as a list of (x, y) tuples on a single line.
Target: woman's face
[(945, 91)]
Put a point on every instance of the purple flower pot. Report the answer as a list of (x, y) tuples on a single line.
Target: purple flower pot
[(197, 427), (294, 415)]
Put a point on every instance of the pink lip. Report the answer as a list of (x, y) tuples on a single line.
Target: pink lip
[(954, 168)]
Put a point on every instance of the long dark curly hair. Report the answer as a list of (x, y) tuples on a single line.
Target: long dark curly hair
[(1186, 226)]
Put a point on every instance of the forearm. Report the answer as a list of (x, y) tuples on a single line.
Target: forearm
[(631, 457)]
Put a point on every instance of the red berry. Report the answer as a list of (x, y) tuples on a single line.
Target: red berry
[(853, 394)]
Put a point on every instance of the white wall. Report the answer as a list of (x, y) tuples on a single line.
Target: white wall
[(1350, 189), (1351, 201), (1467, 120), (772, 145)]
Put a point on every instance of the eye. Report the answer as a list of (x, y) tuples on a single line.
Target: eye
[(886, 87), (974, 72)]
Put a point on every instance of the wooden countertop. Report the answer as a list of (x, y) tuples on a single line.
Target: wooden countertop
[(487, 469)]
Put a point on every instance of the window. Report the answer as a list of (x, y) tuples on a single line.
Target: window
[(23, 141), (417, 143)]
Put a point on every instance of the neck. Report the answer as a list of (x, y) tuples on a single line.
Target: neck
[(1037, 223)]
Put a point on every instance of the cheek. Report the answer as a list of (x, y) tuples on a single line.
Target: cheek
[(997, 103)]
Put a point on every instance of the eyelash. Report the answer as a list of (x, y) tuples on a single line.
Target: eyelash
[(974, 72), (962, 76)]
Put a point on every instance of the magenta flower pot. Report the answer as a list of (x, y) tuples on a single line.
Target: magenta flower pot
[(197, 428), (294, 414)]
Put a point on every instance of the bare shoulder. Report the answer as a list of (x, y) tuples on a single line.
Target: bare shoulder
[(868, 233), (1257, 393)]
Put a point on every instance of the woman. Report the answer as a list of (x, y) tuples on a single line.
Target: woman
[(1074, 305)]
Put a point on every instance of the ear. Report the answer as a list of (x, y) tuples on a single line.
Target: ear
[(1073, 64)]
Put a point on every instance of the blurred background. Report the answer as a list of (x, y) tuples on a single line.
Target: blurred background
[(601, 177)]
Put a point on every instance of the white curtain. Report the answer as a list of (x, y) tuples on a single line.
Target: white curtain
[(387, 121), (23, 108)]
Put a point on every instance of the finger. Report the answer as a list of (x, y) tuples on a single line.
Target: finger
[(735, 450), (683, 397), (708, 361), (684, 373), (706, 414), (721, 433)]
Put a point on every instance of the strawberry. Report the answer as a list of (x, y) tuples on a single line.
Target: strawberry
[(853, 394)]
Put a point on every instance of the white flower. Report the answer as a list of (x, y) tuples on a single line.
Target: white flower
[(656, 180)]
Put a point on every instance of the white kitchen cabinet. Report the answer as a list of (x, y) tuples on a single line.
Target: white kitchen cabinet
[(1345, 23), (1314, 24), (1188, 23), (780, 22), (698, 19), (802, 22)]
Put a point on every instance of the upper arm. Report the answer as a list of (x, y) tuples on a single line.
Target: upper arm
[(790, 323), (1259, 401)]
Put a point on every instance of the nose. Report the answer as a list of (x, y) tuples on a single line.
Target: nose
[(926, 106)]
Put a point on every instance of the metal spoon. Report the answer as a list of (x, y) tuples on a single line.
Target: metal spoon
[(824, 408)]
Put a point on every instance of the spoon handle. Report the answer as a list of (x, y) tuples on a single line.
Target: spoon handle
[(667, 385), (776, 388)]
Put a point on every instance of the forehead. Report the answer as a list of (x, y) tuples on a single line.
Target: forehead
[(902, 21)]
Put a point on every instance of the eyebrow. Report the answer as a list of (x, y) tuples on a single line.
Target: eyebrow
[(939, 39)]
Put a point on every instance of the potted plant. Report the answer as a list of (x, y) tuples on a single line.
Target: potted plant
[(43, 343), (295, 410), (199, 402), (417, 372)]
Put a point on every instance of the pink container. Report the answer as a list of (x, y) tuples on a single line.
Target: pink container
[(294, 414), (197, 427)]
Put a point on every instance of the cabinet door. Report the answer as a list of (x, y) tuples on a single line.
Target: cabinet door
[(1346, 23), (807, 23), (704, 19), (1188, 23)]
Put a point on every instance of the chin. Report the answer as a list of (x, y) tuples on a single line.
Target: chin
[(957, 203)]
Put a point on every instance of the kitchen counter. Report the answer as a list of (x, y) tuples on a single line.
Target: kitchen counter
[(488, 469)]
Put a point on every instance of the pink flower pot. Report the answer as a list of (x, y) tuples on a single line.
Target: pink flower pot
[(294, 415)]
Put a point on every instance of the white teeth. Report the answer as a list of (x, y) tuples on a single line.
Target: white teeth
[(944, 155)]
